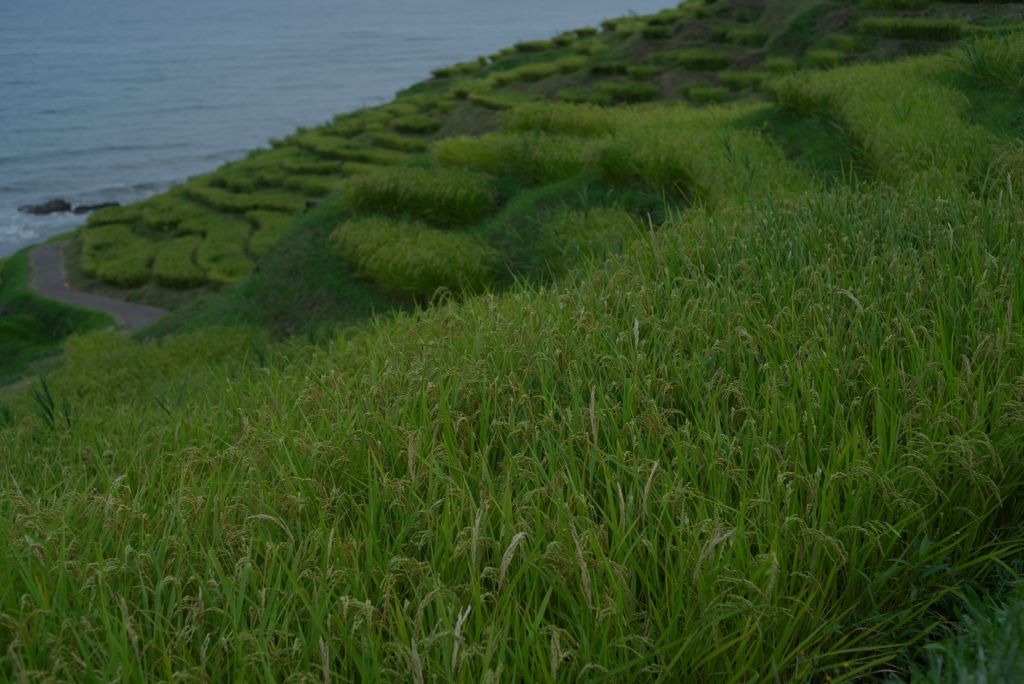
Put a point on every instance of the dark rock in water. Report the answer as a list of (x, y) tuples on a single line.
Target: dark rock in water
[(86, 208), (51, 207)]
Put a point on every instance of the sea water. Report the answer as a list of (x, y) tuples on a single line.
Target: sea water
[(116, 100)]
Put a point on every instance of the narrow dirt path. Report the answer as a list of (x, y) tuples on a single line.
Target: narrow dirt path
[(49, 280)]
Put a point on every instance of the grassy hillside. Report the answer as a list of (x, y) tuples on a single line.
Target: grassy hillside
[(208, 233), (33, 328), (723, 386)]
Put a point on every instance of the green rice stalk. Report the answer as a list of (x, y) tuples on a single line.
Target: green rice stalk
[(412, 259), (270, 227), (222, 254), (174, 265), (114, 254), (444, 197)]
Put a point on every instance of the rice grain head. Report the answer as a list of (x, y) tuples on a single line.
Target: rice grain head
[(584, 575), (507, 558)]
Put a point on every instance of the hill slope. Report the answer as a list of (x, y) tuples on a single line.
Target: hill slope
[(743, 402)]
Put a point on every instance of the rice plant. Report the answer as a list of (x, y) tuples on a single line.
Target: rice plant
[(769, 441), (478, 85), (908, 125), (312, 168), (531, 46), (698, 10), (346, 127), (989, 646), (628, 27), (570, 64), (572, 237), (419, 124), (233, 181), (582, 121), (825, 59), (537, 72), (54, 413), (642, 72), (778, 64), (610, 67), (701, 60), (205, 224), (239, 203), (914, 29), (667, 17), (310, 186), (444, 197), (720, 33), (500, 54), (532, 159), (400, 107), (741, 80), (704, 94), (848, 44), (688, 152), (174, 265), (356, 168), (750, 36), (460, 69), (114, 254), (502, 101), (341, 149), (894, 4), (164, 212), (629, 92), (592, 47), (655, 32), (773, 435), (401, 143), (270, 227), (125, 215), (222, 254), (581, 96), (412, 259), (995, 62)]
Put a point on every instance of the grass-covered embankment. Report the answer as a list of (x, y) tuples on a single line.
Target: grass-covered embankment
[(745, 405), (31, 327), (777, 439), (209, 232)]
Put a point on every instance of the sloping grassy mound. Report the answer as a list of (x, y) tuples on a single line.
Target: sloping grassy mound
[(295, 289), (573, 237), (585, 121), (766, 428), (445, 198), (915, 29), (908, 126), (777, 439), (697, 54), (31, 327), (114, 254), (531, 159), (175, 264), (222, 254), (270, 227), (413, 259), (240, 202), (995, 62)]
